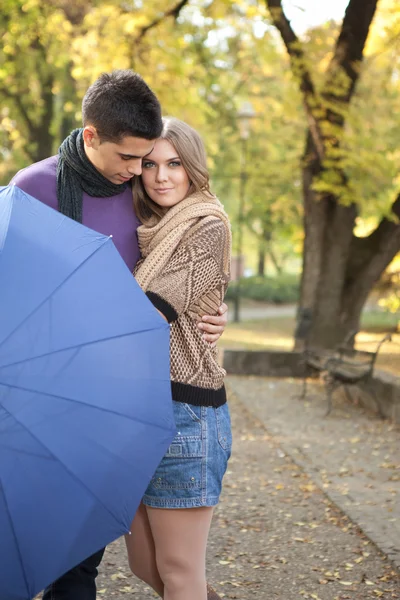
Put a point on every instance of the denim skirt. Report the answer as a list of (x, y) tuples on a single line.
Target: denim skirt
[(191, 472)]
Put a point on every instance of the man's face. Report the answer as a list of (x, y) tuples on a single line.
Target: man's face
[(117, 162)]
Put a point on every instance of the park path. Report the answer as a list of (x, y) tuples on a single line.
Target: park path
[(286, 527)]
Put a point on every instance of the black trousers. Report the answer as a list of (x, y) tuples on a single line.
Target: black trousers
[(77, 584)]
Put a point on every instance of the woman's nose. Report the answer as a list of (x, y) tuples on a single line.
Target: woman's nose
[(162, 174)]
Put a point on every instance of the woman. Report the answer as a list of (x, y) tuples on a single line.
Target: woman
[(185, 242)]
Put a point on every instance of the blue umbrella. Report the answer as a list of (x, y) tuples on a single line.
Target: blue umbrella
[(85, 401)]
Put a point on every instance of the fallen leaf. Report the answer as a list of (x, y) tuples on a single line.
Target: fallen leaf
[(116, 576)]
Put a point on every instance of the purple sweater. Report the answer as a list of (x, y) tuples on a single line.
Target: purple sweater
[(110, 216)]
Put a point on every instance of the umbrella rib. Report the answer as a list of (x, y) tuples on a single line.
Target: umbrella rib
[(106, 339), (66, 469), (102, 408), (15, 537), (54, 291)]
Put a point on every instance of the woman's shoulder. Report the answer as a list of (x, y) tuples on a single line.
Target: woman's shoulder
[(209, 233), (207, 224)]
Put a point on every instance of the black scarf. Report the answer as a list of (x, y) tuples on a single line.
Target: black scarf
[(76, 174)]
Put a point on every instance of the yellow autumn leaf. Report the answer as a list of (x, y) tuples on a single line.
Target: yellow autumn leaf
[(309, 487)]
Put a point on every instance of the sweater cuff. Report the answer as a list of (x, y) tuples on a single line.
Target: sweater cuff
[(163, 306)]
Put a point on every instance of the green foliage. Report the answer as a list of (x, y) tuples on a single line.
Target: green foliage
[(279, 290), (32, 70), (202, 66)]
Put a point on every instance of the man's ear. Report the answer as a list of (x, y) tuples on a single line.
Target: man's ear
[(91, 137)]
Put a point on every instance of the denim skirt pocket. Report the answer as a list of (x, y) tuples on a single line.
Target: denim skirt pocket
[(224, 432), (177, 470)]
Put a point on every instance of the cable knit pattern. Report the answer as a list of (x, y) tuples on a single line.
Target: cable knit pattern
[(185, 272)]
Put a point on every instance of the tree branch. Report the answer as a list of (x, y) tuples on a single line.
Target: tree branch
[(298, 62), (20, 106), (173, 12), (344, 68), (350, 45), (364, 249)]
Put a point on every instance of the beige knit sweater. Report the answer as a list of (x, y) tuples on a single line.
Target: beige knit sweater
[(185, 272)]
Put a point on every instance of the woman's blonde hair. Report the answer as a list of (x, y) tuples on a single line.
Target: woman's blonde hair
[(190, 148)]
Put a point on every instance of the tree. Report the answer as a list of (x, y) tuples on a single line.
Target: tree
[(339, 268), (32, 72), (43, 76)]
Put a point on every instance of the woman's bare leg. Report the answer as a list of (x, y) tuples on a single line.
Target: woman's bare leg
[(180, 538), (141, 551)]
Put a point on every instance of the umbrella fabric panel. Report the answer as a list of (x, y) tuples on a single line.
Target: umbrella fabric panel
[(80, 526), (10, 563), (74, 314), (88, 522), (126, 375), (26, 262)]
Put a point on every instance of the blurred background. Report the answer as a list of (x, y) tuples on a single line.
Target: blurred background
[(298, 103)]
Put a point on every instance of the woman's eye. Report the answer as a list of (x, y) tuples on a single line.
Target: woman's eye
[(175, 163), (147, 165)]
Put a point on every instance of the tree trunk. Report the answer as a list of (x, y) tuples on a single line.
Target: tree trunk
[(277, 264), (68, 94), (339, 269), (261, 261), (41, 134)]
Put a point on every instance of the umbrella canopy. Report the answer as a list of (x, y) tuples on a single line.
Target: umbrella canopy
[(85, 401)]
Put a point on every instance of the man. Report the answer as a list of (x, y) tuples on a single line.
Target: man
[(89, 181)]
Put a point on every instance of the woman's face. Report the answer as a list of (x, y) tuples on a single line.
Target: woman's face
[(164, 178)]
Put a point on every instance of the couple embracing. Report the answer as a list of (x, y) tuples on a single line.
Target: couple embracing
[(144, 179)]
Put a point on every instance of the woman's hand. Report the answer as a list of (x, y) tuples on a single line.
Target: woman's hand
[(214, 326)]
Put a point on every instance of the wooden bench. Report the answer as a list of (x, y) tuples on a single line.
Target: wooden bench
[(342, 366)]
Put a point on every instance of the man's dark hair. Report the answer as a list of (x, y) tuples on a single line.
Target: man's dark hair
[(121, 104)]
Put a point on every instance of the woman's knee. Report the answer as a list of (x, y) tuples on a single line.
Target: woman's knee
[(177, 570)]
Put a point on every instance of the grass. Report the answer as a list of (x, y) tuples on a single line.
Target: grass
[(379, 321), (277, 333)]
